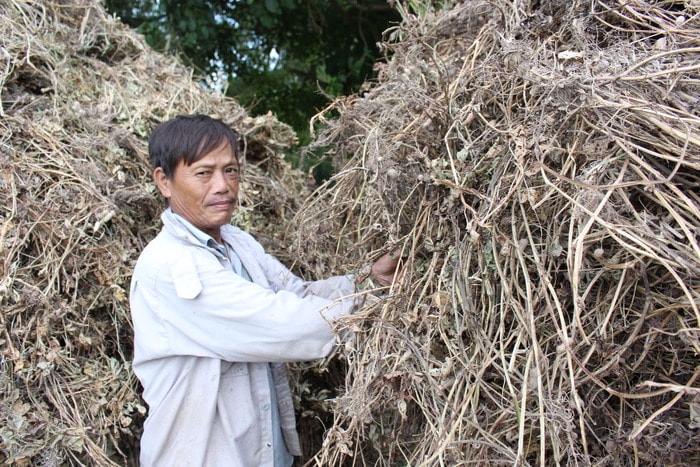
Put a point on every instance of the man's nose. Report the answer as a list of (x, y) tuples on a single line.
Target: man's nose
[(220, 182)]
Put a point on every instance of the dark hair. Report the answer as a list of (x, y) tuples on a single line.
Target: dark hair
[(187, 138)]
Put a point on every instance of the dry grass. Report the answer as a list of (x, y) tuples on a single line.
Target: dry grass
[(536, 163), (80, 93), (539, 168)]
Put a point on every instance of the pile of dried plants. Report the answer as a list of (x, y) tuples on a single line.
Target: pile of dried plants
[(538, 166), (536, 163), (80, 93)]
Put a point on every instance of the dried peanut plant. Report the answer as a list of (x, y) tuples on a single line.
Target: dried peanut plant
[(537, 164), (80, 93)]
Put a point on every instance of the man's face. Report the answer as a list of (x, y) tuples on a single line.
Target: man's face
[(206, 192)]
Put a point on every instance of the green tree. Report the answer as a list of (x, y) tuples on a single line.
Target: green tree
[(283, 56)]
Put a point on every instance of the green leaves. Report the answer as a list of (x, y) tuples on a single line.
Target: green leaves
[(322, 48), (272, 6)]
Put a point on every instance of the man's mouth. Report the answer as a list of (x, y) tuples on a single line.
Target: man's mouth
[(225, 203)]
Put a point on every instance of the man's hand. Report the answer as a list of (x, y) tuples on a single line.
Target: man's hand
[(385, 268)]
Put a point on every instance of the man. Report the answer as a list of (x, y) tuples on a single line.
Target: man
[(215, 317)]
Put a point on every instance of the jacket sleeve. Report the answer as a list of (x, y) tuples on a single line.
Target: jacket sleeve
[(281, 278), (194, 306)]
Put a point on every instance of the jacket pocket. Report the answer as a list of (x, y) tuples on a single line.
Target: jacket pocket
[(185, 277)]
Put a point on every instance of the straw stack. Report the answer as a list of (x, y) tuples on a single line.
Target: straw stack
[(538, 166), (80, 94)]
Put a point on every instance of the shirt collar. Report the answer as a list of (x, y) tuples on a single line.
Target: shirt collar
[(197, 235)]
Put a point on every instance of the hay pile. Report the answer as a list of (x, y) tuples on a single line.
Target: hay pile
[(80, 93), (538, 164)]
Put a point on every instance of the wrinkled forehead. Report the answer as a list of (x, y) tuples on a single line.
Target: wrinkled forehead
[(222, 148)]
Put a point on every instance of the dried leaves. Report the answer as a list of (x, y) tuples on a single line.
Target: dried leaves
[(538, 165), (80, 93)]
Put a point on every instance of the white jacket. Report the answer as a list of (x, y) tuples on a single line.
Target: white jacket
[(203, 339)]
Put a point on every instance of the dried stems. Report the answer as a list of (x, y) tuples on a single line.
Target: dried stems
[(80, 93), (539, 170)]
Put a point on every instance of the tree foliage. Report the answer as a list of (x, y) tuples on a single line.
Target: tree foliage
[(284, 56)]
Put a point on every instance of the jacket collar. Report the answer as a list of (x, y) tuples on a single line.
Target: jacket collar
[(183, 229), (179, 227)]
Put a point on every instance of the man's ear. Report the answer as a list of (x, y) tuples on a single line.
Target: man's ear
[(162, 182)]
